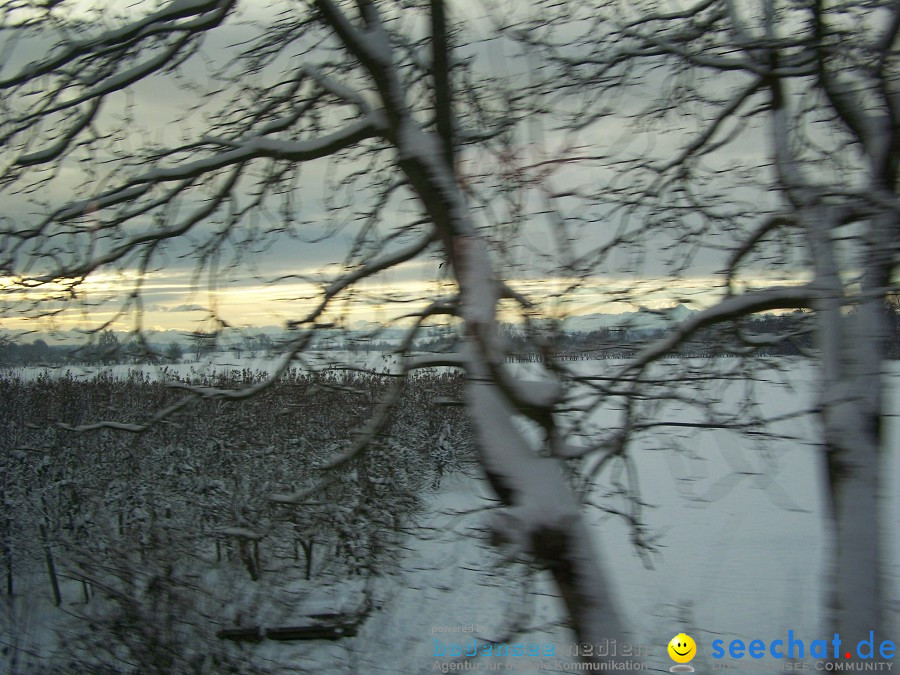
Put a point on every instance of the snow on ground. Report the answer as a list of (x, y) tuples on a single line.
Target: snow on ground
[(744, 541), (743, 548), (742, 553)]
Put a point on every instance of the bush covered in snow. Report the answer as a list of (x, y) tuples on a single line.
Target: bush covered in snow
[(144, 536)]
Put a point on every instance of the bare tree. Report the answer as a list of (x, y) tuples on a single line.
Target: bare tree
[(769, 131), (424, 156), (357, 86)]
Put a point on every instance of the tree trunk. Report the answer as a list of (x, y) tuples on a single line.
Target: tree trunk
[(248, 559), (51, 568), (307, 545), (9, 573), (543, 516), (853, 355)]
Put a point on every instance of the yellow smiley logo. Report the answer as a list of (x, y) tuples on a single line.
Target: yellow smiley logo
[(682, 648)]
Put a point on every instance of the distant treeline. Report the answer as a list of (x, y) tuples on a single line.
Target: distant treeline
[(107, 349), (789, 334), (765, 335)]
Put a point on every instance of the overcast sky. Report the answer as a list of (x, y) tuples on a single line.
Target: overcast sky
[(173, 298)]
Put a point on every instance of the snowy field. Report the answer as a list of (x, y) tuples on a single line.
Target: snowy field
[(741, 553), (742, 547)]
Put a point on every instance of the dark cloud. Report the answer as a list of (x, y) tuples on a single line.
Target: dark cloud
[(157, 106), (188, 308)]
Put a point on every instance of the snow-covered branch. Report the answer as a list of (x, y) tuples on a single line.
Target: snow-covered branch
[(779, 297), (202, 14), (243, 152)]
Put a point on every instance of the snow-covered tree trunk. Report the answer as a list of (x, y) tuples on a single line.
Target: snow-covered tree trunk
[(543, 517), (852, 346), (821, 80), (852, 339)]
